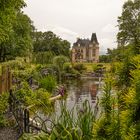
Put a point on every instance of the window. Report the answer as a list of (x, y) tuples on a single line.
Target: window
[(93, 52)]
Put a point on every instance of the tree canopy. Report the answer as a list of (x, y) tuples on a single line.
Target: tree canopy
[(129, 25), (15, 30), (48, 41)]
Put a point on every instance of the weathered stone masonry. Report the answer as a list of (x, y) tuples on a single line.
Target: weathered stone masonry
[(85, 50)]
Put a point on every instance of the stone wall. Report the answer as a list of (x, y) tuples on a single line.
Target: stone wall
[(81, 56)]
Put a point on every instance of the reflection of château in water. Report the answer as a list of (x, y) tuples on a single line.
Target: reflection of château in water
[(93, 90), (85, 89), (85, 50)]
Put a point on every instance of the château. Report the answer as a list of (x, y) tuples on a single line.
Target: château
[(86, 50)]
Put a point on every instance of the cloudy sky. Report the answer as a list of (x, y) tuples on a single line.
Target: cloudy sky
[(70, 19)]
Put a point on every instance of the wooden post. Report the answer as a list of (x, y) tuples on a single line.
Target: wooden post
[(5, 80), (26, 121), (9, 79)]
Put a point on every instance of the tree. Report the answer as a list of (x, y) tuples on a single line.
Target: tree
[(21, 40), (129, 25), (43, 57), (59, 61), (48, 41), (103, 58), (8, 11)]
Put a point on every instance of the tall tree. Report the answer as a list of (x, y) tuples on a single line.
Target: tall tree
[(129, 25), (22, 39), (14, 29)]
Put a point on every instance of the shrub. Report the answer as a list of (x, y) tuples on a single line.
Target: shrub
[(25, 94), (74, 124), (68, 68), (69, 127), (94, 67), (79, 67), (3, 108), (59, 61), (48, 83), (42, 100), (43, 57)]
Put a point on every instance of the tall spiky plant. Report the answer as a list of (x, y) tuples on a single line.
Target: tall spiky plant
[(107, 126)]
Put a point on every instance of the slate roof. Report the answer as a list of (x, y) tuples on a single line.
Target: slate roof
[(86, 42), (82, 42), (94, 38)]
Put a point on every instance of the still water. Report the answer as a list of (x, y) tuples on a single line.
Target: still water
[(80, 90)]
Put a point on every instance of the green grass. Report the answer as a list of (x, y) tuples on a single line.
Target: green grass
[(89, 66)]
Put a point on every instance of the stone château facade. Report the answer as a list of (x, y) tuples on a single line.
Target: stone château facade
[(85, 50)]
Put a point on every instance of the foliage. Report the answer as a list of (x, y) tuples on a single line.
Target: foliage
[(25, 94), (20, 68), (68, 69), (60, 61), (15, 28), (106, 99), (127, 75), (41, 136), (79, 67), (119, 111), (129, 23), (95, 67), (23, 70), (107, 125), (85, 120), (43, 96), (3, 108), (49, 42), (48, 83), (129, 101), (74, 124), (120, 53), (43, 57), (18, 63), (38, 99), (21, 40), (42, 101), (104, 59), (8, 14), (67, 127), (123, 72)]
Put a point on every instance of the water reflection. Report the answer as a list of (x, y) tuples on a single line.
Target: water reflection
[(80, 90)]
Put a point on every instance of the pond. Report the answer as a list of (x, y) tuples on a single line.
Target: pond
[(85, 88)]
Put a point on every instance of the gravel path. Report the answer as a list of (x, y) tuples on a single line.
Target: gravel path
[(8, 134)]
